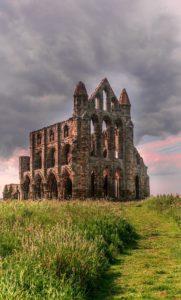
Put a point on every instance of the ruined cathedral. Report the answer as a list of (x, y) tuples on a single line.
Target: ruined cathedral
[(90, 155)]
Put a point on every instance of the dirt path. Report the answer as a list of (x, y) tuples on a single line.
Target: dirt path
[(153, 270)]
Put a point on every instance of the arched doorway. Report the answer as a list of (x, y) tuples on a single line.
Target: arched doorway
[(38, 187), (137, 187), (26, 188), (52, 186), (93, 184), (68, 188), (66, 185), (105, 185), (106, 182)]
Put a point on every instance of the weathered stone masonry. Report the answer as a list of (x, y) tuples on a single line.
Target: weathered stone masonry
[(92, 154)]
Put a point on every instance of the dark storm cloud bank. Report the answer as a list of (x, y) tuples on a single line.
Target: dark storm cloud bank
[(47, 46)]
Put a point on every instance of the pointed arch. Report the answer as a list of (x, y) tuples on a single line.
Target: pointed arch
[(106, 123), (104, 100), (66, 131), (51, 135), (52, 186), (118, 138), (67, 185), (38, 186), (94, 134), (38, 138)]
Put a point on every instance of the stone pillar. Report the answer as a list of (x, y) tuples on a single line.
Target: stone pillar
[(129, 162), (44, 151)]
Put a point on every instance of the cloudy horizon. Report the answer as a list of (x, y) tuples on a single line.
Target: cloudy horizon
[(48, 46)]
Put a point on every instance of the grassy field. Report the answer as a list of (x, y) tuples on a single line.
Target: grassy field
[(90, 250), (153, 269), (53, 250)]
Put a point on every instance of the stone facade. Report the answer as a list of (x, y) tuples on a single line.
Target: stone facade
[(11, 191), (90, 155)]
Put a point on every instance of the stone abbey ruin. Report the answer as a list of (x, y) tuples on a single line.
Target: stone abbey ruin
[(90, 155)]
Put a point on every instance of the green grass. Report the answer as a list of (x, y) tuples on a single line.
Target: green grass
[(91, 250), (153, 269), (52, 250)]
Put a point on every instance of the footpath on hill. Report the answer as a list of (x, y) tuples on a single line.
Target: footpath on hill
[(153, 269)]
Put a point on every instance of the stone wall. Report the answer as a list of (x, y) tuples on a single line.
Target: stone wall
[(92, 154), (11, 191)]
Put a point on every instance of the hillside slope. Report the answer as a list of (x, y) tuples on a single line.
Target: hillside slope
[(54, 250), (153, 269)]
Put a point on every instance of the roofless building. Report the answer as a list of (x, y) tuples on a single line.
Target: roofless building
[(91, 154)]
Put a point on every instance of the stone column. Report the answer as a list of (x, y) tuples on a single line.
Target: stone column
[(129, 162), (44, 152)]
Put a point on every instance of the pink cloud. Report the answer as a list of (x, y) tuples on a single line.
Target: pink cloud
[(163, 159), (9, 171)]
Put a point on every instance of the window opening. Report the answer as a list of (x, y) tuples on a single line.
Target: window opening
[(51, 135), (104, 100), (66, 131)]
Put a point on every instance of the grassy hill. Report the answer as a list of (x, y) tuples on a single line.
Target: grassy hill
[(53, 250), (153, 269), (64, 250)]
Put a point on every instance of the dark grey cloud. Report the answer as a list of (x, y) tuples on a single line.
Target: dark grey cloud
[(49, 45)]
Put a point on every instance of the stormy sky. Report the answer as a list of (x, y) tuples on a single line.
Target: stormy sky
[(47, 46)]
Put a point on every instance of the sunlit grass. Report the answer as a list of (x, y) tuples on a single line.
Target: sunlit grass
[(63, 250), (58, 250), (153, 269)]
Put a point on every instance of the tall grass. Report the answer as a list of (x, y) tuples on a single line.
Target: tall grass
[(170, 205), (52, 250)]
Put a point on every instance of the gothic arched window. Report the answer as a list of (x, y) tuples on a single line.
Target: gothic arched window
[(104, 100), (38, 138), (51, 135), (105, 138), (93, 139), (96, 103), (51, 158), (118, 139), (66, 131), (38, 160)]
